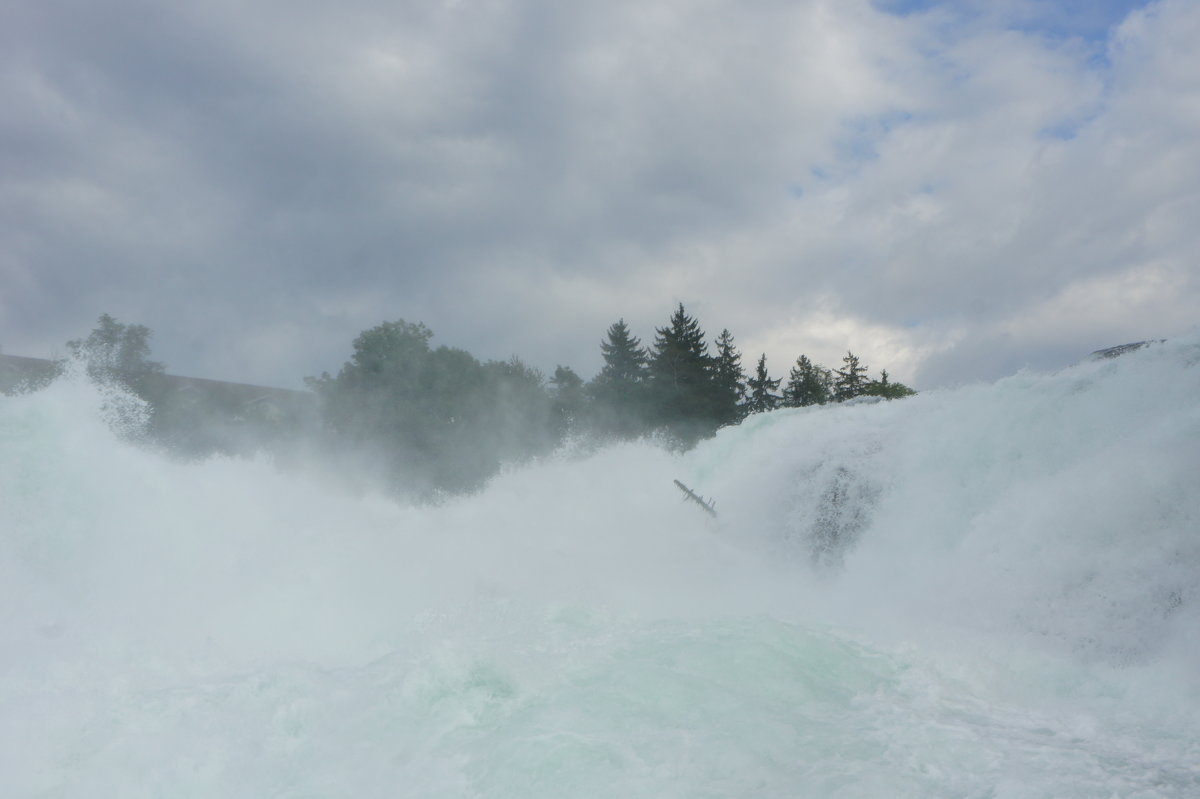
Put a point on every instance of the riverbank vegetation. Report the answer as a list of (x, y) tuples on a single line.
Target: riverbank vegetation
[(428, 421)]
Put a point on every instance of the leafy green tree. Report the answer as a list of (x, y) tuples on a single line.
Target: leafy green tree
[(434, 420), (851, 380), (394, 402), (381, 394), (443, 449), (808, 384), (518, 418), (116, 353), (761, 388), (569, 398)]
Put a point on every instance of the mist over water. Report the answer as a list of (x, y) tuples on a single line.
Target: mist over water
[(986, 592)]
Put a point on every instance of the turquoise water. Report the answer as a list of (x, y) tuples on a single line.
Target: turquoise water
[(986, 592)]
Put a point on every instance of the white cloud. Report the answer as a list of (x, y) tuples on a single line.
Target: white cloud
[(927, 190), (972, 214)]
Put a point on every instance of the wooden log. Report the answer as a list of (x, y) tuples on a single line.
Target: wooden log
[(708, 505)]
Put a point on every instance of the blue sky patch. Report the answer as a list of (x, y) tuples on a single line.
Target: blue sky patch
[(1091, 20)]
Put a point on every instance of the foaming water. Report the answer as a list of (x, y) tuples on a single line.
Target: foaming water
[(983, 592)]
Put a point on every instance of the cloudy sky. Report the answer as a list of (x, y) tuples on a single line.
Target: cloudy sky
[(954, 190)]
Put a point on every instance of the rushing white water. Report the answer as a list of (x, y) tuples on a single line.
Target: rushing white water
[(987, 592)]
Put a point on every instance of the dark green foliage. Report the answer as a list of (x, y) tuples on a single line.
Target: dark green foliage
[(429, 421), (729, 383), (119, 354), (808, 384), (851, 380), (518, 416), (692, 393), (619, 393), (624, 357), (683, 386), (435, 419), (680, 356), (886, 389), (760, 389), (569, 399), (391, 369)]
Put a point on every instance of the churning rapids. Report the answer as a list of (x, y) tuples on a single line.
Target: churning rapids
[(986, 592)]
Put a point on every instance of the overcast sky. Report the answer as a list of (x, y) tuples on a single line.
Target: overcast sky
[(953, 190)]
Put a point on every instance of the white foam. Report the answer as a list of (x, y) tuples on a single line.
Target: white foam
[(988, 588)]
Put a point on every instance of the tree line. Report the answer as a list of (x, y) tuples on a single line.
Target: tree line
[(679, 387), (433, 420)]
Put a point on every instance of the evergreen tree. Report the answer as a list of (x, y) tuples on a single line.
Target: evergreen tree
[(683, 380), (887, 389), (618, 394), (624, 357), (760, 388), (850, 381), (808, 384), (680, 357), (729, 389)]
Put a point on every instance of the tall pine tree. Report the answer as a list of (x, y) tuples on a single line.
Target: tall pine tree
[(682, 379), (851, 380), (619, 393), (624, 356), (808, 384), (729, 382), (761, 387)]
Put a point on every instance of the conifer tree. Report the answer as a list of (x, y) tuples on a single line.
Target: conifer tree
[(729, 389), (883, 387), (680, 356), (682, 379), (850, 380), (760, 387), (618, 394), (808, 384), (624, 356)]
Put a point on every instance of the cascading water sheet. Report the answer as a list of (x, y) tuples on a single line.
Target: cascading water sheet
[(986, 592)]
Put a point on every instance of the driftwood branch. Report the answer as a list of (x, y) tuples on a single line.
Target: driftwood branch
[(709, 506)]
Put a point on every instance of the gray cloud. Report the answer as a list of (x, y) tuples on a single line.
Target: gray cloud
[(259, 184)]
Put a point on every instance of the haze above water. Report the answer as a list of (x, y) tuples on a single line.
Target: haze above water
[(986, 592)]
